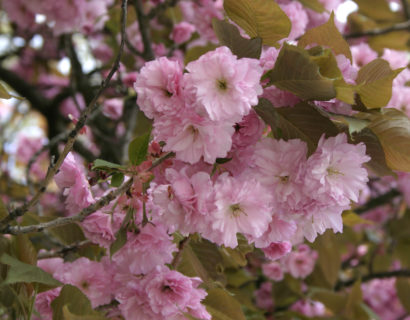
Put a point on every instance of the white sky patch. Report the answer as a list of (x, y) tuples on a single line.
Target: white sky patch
[(37, 42), (345, 9), (394, 6), (64, 66), (40, 18)]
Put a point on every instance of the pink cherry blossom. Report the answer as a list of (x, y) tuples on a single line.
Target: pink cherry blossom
[(300, 263), (273, 270), (193, 137), (241, 206), (277, 250), (226, 87), (182, 32), (159, 87), (145, 250), (98, 228)]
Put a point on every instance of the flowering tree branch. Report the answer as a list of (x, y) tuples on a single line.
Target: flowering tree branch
[(376, 32), (52, 170), (377, 275), (62, 251), (68, 220)]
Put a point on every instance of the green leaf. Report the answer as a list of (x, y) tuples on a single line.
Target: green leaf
[(194, 53), (138, 148), (315, 5), (403, 292), (378, 10), (332, 300), (259, 18), (222, 306), (3, 93), (392, 127), (297, 72), (120, 240), (329, 259), (74, 301), (375, 151), (117, 179), (3, 210), (229, 36), (24, 250), (202, 259), (353, 309), (71, 316), (104, 165), (327, 35), (302, 121), (23, 272), (68, 234), (351, 219), (374, 83)]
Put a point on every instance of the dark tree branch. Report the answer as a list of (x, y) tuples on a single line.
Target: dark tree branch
[(143, 23), (63, 251), (379, 201), (404, 273), (161, 7), (24, 89), (376, 32), (68, 220)]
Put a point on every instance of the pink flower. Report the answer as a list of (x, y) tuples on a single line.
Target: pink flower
[(91, 278), (279, 230), (300, 263), (362, 54), (396, 59), (277, 250), (182, 32), (309, 308), (97, 227), (159, 87), (112, 108), (192, 137), (43, 303), (248, 131), (241, 206), (54, 266), (224, 86), (77, 189), (280, 165), (264, 296), (298, 17), (273, 270), (151, 247), (170, 293), (19, 12), (335, 171), (184, 203)]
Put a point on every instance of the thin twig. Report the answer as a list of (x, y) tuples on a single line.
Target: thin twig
[(76, 218), (379, 201), (62, 251), (377, 275), (161, 7), (143, 23), (375, 32), (85, 212), (74, 133)]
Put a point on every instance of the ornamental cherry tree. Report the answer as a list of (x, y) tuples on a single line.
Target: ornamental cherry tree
[(204, 159)]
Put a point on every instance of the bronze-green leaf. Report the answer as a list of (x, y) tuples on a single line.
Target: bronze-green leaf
[(229, 36), (223, 306), (260, 19), (392, 127), (403, 292), (302, 121), (74, 301), (23, 272), (327, 35), (297, 72), (4, 93), (375, 83), (315, 5)]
